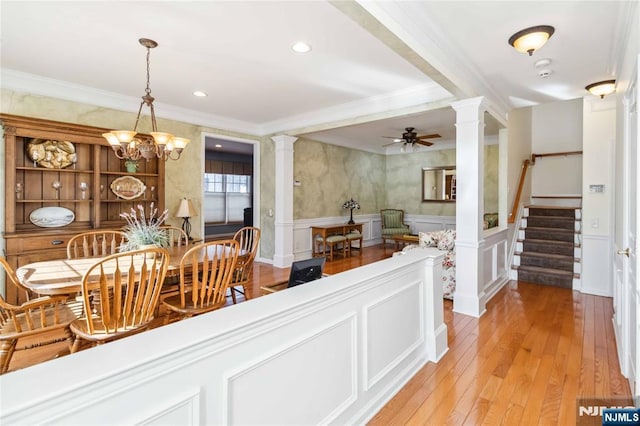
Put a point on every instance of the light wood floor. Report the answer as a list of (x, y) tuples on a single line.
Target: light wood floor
[(525, 361)]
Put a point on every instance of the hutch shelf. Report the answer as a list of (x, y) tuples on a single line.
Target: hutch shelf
[(82, 187)]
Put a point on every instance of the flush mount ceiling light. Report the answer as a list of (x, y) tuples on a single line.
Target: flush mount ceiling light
[(301, 47), (602, 88), (128, 145), (199, 94), (531, 39)]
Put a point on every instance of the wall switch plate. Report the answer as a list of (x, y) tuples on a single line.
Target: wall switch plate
[(596, 188)]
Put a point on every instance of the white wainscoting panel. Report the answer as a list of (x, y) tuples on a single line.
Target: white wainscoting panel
[(596, 265), (389, 342), (282, 387), (298, 356), (494, 258), (176, 410)]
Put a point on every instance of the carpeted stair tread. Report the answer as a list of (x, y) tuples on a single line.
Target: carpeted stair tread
[(546, 276), (547, 260), (551, 234), (542, 228), (546, 255), (551, 222), (552, 211), (549, 271), (552, 242)]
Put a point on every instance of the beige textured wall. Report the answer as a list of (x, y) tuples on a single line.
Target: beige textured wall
[(491, 189), (404, 181), (184, 178), (330, 175)]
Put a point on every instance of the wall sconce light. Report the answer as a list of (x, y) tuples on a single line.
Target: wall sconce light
[(531, 39), (185, 211), (602, 88)]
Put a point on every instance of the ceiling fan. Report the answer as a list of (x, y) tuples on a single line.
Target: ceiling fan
[(410, 137)]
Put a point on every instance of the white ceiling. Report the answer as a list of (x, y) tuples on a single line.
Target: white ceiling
[(374, 69)]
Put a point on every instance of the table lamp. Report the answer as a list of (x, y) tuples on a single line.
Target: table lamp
[(185, 211)]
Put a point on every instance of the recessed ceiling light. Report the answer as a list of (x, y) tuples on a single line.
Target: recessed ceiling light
[(301, 47), (199, 94), (218, 145)]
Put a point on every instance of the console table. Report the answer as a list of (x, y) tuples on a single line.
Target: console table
[(350, 232)]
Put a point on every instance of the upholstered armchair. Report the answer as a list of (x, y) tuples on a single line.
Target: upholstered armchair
[(393, 224)]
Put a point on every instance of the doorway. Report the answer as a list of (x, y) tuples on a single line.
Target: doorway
[(230, 185)]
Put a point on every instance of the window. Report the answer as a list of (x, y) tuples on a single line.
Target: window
[(226, 197)]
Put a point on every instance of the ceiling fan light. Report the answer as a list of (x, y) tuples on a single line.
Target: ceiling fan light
[(602, 88), (531, 39)]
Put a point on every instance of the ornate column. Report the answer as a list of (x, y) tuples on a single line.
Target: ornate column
[(470, 298), (283, 247)]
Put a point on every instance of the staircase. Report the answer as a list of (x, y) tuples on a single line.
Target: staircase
[(548, 248)]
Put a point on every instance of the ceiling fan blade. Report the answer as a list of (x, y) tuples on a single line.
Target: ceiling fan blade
[(425, 143), (435, 135)]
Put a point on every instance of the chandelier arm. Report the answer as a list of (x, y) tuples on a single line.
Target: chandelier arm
[(135, 126), (154, 126), (170, 156), (117, 150)]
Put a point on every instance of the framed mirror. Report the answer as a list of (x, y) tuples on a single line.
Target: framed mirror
[(439, 184)]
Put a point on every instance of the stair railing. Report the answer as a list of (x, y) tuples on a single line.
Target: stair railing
[(525, 166), (516, 201)]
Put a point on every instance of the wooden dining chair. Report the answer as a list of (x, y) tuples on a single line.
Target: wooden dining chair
[(95, 243), (177, 236), (206, 271), (36, 319), (248, 238), (120, 292)]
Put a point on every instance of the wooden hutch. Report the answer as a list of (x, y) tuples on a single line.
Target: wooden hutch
[(83, 187)]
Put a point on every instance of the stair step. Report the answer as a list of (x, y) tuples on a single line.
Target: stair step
[(550, 234), (537, 254), (551, 222), (547, 260), (545, 246), (546, 276), (552, 211)]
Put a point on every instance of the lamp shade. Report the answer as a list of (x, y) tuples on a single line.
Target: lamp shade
[(531, 39), (185, 209), (602, 88)]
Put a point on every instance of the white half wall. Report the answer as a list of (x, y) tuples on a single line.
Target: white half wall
[(331, 351)]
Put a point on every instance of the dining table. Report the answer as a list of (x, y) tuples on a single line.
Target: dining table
[(64, 276)]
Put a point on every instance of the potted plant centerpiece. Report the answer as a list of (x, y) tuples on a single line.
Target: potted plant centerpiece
[(142, 231)]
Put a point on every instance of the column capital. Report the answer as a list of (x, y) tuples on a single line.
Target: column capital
[(480, 103), (284, 139)]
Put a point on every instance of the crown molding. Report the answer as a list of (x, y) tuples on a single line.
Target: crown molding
[(43, 86), (417, 95)]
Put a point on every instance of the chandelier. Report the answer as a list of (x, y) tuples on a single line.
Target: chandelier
[(128, 145)]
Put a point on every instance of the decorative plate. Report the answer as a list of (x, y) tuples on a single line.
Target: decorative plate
[(51, 217), (51, 154), (128, 187)]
